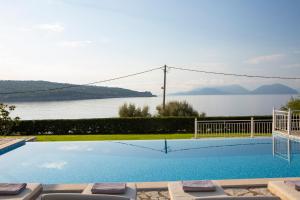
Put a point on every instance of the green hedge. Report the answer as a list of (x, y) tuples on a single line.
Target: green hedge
[(114, 125)]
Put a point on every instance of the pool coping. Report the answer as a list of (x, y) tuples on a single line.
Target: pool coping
[(149, 186), (138, 140), (15, 143), (11, 145)]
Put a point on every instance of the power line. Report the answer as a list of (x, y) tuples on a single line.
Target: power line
[(86, 84), (150, 70), (233, 74)]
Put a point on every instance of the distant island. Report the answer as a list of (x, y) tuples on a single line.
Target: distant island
[(239, 90), (72, 92)]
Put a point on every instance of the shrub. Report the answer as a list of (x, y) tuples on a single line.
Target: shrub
[(106, 126), (6, 122), (293, 104), (138, 125), (178, 108), (132, 111)]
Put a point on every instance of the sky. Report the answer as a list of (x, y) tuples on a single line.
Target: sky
[(80, 41)]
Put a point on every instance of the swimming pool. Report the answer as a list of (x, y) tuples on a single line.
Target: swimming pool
[(118, 161)]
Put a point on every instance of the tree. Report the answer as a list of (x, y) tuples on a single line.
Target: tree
[(130, 110), (178, 108), (293, 104), (7, 122)]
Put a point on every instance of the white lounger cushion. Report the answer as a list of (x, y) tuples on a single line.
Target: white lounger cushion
[(30, 193), (74, 196), (130, 191), (177, 193), (240, 198), (283, 190)]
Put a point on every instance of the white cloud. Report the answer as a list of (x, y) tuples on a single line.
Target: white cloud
[(265, 59), (75, 43), (55, 27), (54, 165)]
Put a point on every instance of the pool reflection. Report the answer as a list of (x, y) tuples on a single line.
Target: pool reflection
[(285, 148)]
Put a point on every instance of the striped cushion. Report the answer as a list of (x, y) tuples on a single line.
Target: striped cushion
[(12, 188)]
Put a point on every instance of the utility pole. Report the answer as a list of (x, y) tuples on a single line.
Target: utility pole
[(164, 87)]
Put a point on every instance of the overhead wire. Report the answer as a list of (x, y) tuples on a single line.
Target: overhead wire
[(86, 84), (234, 74), (147, 71)]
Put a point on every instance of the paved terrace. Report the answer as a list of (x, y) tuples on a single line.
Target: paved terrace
[(5, 140), (8, 140), (159, 190), (9, 143)]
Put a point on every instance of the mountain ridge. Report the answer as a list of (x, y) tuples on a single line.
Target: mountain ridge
[(239, 90)]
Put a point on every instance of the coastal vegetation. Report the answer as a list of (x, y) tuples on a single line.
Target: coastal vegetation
[(178, 109), (130, 110), (108, 126), (7, 122), (22, 91), (172, 109), (293, 104)]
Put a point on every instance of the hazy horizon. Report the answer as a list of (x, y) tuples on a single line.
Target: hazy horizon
[(179, 91)]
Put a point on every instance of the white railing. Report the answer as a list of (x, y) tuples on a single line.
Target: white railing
[(287, 122), (249, 127)]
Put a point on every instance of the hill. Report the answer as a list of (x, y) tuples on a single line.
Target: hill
[(239, 90), (71, 93), (221, 90), (274, 89)]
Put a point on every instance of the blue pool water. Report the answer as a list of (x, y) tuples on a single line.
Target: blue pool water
[(83, 162)]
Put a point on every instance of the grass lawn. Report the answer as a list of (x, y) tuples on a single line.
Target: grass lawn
[(44, 138)]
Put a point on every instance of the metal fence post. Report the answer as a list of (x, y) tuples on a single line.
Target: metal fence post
[(289, 122), (196, 128), (273, 120), (273, 144), (252, 126)]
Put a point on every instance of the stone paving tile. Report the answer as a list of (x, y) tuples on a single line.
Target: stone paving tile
[(164, 195), (261, 191), (153, 195), (248, 192), (5, 140)]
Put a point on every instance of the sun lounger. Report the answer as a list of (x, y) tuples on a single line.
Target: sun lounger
[(241, 198), (177, 193), (87, 194), (284, 190), (74, 196), (31, 192), (130, 192)]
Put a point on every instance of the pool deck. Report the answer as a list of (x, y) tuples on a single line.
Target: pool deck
[(149, 186), (159, 190), (7, 141), (10, 143)]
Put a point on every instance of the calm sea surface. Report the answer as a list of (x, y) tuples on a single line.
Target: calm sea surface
[(212, 105)]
